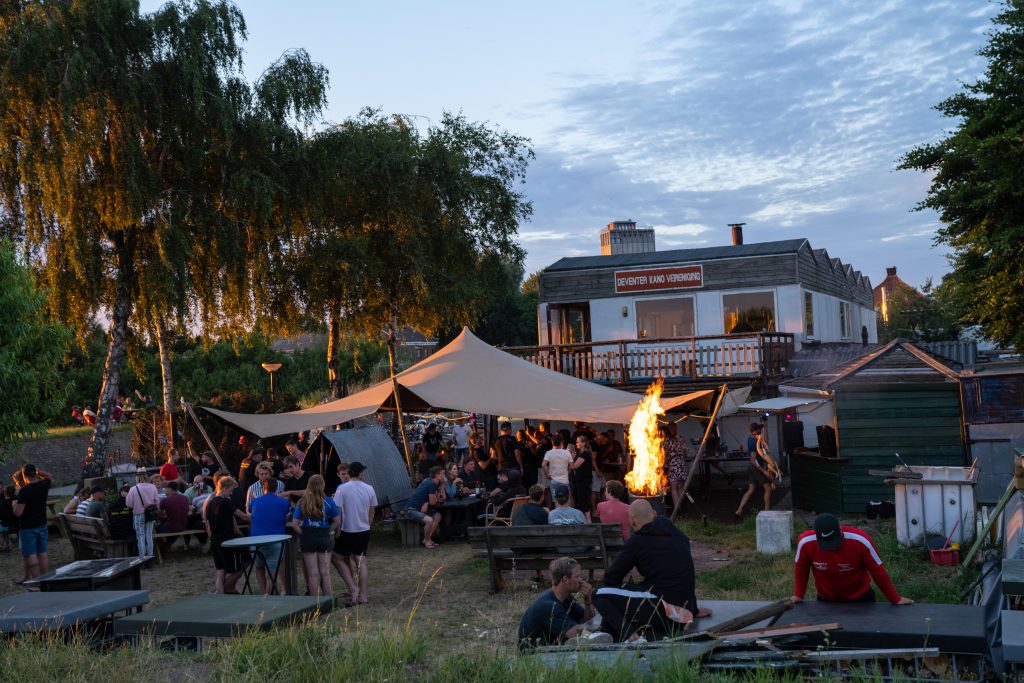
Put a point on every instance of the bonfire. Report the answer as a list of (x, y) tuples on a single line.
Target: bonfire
[(647, 478)]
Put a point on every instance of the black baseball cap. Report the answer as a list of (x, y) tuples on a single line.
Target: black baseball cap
[(828, 531), (506, 426), (561, 492), (356, 468)]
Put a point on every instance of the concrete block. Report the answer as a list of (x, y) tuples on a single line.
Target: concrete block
[(774, 532)]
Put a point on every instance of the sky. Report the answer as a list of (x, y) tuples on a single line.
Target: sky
[(786, 115)]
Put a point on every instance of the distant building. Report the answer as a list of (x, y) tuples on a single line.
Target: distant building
[(784, 286), (624, 237), (889, 290)]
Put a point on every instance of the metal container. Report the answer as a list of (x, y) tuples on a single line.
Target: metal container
[(934, 504), (657, 502)]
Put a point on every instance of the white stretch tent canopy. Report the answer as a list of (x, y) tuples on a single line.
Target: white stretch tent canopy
[(469, 375), (774, 405)]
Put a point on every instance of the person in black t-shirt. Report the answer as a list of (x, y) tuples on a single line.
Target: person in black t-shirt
[(30, 509), (295, 479), (469, 474), (506, 450), (120, 516), (222, 525), (485, 462), (432, 442)]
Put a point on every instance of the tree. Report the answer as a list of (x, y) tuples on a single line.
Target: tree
[(434, 216), (30, 349), (924, 316), (139, 169), (978, 185)]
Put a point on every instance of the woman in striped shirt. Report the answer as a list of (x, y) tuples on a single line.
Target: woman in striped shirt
[(264, 471)]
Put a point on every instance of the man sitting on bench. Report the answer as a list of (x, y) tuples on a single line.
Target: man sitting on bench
[(665, 601)]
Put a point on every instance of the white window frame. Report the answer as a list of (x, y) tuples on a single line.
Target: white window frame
[(752, 290), (808, 321), (636, 313), (845, 320)]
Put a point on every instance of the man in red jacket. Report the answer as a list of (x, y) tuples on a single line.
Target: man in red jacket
[(843, 560)]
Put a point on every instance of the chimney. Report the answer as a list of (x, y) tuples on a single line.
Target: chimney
[(890, 272), (737, 233)]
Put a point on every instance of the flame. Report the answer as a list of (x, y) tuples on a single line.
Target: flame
[(647, 477)]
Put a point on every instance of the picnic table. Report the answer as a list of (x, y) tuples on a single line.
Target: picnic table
[(221, 616), (59, 610), (459, 514), (118, 573)]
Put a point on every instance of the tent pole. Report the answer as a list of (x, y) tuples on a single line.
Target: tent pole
[(700, 452), (392, 331)]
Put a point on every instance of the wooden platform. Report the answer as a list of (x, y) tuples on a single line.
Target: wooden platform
[(221, 616), (57, 610), (951, 628)]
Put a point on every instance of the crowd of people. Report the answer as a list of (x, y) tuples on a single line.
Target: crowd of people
[(536, 462)]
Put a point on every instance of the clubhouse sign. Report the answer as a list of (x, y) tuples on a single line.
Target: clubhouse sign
[(653, 279)]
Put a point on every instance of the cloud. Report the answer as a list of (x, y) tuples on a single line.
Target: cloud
[(789, 116)]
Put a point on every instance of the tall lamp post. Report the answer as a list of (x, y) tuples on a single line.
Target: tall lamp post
[(271, 368)]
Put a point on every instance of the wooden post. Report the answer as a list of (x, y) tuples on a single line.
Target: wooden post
[(700, 452)]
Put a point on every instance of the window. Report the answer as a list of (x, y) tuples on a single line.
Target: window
[(664, 318), (808, 314), (845, 320), (750, 312)]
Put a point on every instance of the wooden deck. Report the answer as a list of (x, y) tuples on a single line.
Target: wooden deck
[(753, 356)]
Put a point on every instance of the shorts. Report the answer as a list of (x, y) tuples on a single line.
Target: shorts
[(33, 541), (315, 540), (412, 513), (351, 543), (268, 557), (229, 560), (597, 484), (756, 477)]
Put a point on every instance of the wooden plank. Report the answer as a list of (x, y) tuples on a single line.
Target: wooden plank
[(895, 474), (776, 631), (767, 612)]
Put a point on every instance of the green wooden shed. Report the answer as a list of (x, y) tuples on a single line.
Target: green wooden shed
[(896, 399)]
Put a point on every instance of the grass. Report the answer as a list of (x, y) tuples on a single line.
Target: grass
[(754, 576), (62, 432), (431, 618)]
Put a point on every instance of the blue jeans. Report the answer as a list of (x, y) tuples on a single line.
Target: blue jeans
[(143, 534), (33, 541)]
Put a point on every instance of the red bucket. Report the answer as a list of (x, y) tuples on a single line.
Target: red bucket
[(946, 556)]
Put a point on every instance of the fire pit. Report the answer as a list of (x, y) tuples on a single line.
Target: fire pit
[(647, 478), (657, 502)]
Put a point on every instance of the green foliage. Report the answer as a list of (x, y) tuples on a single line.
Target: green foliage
[(223, 373), (31, 347), (977, 185), (419, 229), (926, 316)]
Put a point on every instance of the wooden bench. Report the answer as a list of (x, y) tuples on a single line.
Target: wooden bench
[(90, 537), (161, 536), (534, 547)]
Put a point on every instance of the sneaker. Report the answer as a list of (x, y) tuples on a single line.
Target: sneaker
[(599, 638), (640, 640), (594, 624)]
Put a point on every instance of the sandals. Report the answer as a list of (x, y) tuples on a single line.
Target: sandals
[(429, 545)]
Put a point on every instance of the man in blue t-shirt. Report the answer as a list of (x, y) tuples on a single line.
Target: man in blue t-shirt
[(556, 616), (420, 505), (268, 515)]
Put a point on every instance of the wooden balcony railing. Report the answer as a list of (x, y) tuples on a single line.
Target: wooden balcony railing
[(756, 355)]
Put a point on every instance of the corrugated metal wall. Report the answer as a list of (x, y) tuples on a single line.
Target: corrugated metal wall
[(922, 424), (963, 352), (385, 466)]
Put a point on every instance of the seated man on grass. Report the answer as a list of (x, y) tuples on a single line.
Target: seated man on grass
[(556, 615), (665, 600)]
